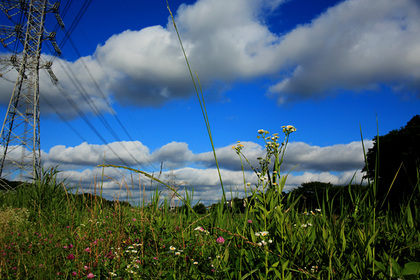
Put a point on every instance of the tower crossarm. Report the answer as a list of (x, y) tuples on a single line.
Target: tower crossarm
[(12, 7), (54, 8), (9, 34)]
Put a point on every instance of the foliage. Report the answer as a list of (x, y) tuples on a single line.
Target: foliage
[(311, 194), (9, 185), (200, 208), (394, 164), (273, 238)]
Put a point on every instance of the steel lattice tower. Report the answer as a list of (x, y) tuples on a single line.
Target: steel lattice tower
[(20, 135)]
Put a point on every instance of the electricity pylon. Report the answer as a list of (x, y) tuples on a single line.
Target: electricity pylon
[(20, 157)]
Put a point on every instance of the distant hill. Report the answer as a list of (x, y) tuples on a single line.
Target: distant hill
[(7, 185)]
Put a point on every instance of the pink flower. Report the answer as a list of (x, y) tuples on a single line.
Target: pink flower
[(71, 257), (249, 221), (220, 240), (134, 219), (88, 250), (90, 275), (74, 273)]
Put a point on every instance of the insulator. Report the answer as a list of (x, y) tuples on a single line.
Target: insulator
[(59, 20), (53, 77), (55, 7), (52, 35), (56, 48)]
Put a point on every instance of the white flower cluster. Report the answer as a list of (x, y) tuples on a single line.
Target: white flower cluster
[(130, 249), (262, 131), (115, 252), (288, 129), (312, 212), (201, 229), (263, 234), (134, 261), (177, 253), (261, 177)]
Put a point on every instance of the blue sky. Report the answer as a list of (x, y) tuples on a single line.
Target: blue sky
[(327, 67)]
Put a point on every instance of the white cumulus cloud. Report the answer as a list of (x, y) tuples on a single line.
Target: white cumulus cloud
[(354, 45), (336, 164)]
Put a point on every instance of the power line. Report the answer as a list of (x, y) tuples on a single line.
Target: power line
[(52, 107), (80, 87), (94, 108), (92, 127), (75, 22)]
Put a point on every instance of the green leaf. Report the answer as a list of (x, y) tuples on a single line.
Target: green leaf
[(249, 273), (411, 268), (409, 217), (226, 255), (284, 265), (380, 266), (253, 238), (278, 274), (289, 277), (276, 264), (262, 208)]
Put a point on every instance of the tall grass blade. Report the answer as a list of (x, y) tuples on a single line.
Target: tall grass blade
[(200, 96)]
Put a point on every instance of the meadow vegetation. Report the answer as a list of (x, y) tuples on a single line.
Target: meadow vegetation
[(52, 232)]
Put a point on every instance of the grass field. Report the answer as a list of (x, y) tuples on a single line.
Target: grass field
[(51, 233)]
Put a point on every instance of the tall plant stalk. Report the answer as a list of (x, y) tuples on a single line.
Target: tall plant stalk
[(200, 96)]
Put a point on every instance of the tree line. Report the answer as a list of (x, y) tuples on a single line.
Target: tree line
[(392, 177)]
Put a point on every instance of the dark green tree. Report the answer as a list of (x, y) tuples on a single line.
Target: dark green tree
[(200, 208), (238, 205), (310, 192), (396, 167), (333, 199)]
